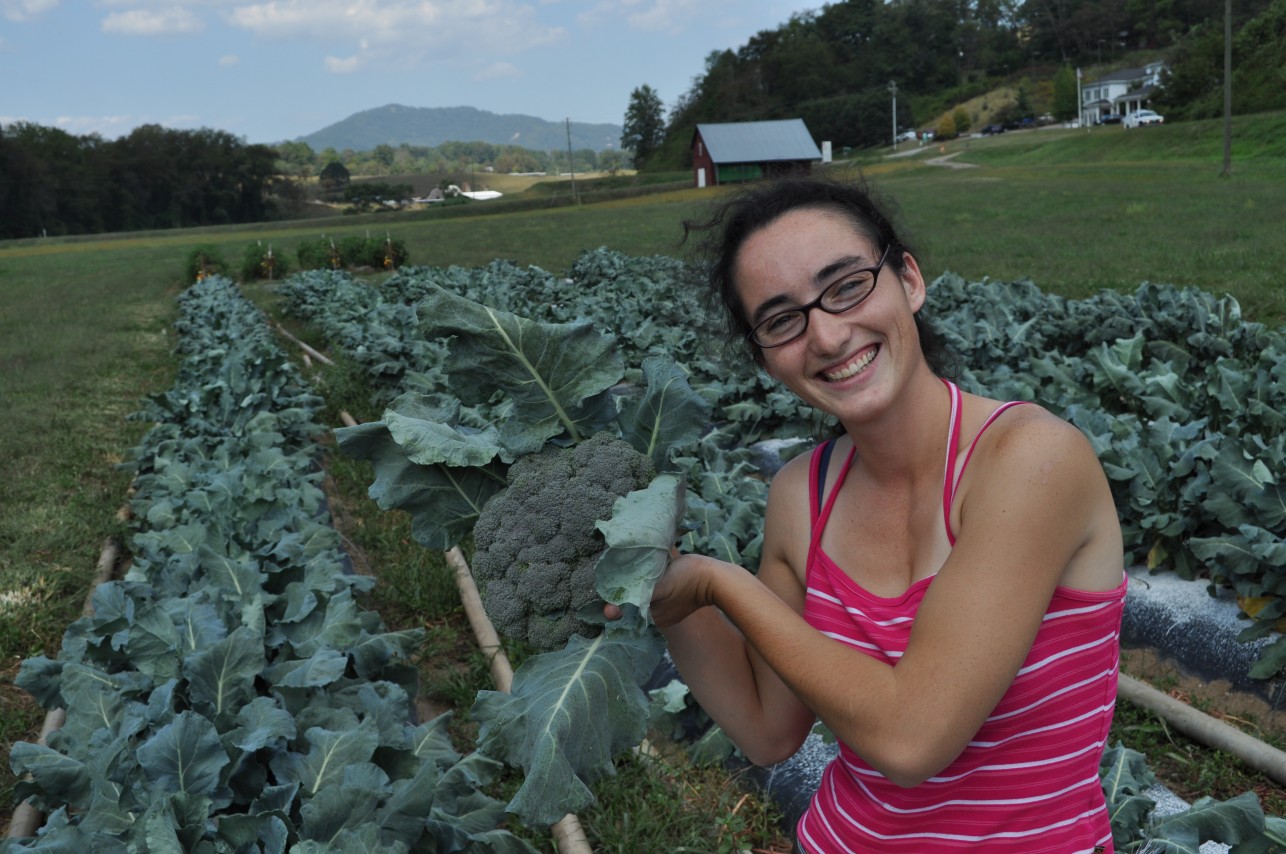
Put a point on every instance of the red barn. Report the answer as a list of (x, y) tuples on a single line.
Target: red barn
[(747, 151)]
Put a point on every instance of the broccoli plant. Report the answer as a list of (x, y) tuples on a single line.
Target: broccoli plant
[(562, 387), (536, 543)]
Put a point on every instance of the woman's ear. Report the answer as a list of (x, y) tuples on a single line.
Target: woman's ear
[(913, 284)]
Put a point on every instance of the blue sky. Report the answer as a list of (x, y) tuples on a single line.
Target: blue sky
[(279, 69)]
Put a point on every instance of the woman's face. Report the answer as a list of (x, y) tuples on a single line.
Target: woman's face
[(843, 363)]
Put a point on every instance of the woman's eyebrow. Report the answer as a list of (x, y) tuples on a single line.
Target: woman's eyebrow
[(821, 278), (839, 265)]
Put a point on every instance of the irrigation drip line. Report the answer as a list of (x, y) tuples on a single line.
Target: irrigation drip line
[(1204, 728)]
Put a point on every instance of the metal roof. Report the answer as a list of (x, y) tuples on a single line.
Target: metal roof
[(759, 142)]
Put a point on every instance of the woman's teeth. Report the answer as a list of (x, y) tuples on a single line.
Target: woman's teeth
[(852, 368)]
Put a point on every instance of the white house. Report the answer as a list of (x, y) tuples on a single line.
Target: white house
[(1120, 92)]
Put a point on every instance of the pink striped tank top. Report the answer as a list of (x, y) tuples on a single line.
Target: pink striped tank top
[(1029, 780)]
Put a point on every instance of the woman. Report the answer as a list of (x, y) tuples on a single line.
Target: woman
[(942, 585)]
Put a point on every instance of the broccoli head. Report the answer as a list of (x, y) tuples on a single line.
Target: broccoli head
[(535, 542)]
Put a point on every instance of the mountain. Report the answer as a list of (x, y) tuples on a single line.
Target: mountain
[(394, 124)]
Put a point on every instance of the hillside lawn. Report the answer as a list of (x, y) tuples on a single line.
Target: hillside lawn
[(85, 334)]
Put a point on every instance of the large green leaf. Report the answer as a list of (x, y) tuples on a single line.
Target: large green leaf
[(557, 374), (222, 677), (184, 756), (444, 502), (569, 713), (59, 778), (669, 414), (1125, 776), (429, 430), (261, 722), (1235, 820), (330, 752), (640, 535)]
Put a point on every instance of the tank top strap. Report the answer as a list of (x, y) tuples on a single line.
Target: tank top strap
[(819, 503), (950, 480), (953, 446)]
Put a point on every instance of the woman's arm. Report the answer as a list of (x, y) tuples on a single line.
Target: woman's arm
[(1033, 507), (726, 675)]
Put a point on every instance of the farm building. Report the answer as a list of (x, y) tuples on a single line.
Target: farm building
[(746, 151)]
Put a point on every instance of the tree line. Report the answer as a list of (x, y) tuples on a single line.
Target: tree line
[(56, 183), (299, 159), (836, 67)]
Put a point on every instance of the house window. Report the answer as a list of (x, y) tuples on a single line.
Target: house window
[(701, 149)]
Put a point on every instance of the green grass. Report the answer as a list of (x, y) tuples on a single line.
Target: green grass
[(84, 335)]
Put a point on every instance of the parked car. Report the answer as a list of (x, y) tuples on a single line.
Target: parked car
[(1139, 118), (993, 129), (1110, 119), (907, 136)]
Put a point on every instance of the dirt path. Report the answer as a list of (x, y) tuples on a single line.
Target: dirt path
[(946, 160)]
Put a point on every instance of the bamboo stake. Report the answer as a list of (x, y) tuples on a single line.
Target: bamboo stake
[(319, 356)]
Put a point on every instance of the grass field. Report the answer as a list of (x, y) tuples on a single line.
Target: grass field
[(84, 323)]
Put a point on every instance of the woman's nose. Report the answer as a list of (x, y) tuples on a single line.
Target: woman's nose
[(828, 332)]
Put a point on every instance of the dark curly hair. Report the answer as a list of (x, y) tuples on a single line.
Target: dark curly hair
[(735, 217)]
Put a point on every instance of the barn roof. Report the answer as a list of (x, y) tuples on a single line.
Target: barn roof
[(759, 142)]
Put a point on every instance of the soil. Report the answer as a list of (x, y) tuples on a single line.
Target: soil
[(1217, 698)]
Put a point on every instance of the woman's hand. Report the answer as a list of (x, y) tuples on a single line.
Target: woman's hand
[(683, 588)]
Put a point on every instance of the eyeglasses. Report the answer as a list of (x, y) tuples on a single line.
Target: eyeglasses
[(785, 326)]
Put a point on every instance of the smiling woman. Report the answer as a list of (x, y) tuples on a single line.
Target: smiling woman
[(944, 593)]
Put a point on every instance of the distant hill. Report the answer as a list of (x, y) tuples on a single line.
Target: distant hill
[(394, 124)]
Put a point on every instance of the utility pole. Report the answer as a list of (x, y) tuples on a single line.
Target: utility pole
[(571, 165), (893, 90), (1227, 90)]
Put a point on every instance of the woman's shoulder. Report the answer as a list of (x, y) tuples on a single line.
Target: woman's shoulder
[(1030, 440), (796, 472), (792, 484)]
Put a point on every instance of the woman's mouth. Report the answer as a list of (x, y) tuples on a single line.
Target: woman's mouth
[(849, 369)]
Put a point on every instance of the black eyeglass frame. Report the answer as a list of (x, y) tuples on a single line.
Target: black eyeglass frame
[(820, 303)]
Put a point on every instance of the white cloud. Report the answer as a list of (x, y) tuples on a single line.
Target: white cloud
[(661, 15), (228, 60), (347, 65), (407, 28), (168, 21), (667, 16), (498, 71), (106, 126), (26, 10)]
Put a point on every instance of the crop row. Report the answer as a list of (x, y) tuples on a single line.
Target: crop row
[(230, 694)]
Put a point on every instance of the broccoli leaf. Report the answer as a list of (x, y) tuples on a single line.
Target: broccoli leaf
[(558, 375), (426, 426), (568, 714), (184, 756), (443, 501), (669, 415), (642, 531)]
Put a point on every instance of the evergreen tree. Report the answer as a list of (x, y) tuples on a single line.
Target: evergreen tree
[(1065, 100), (644, 127)]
